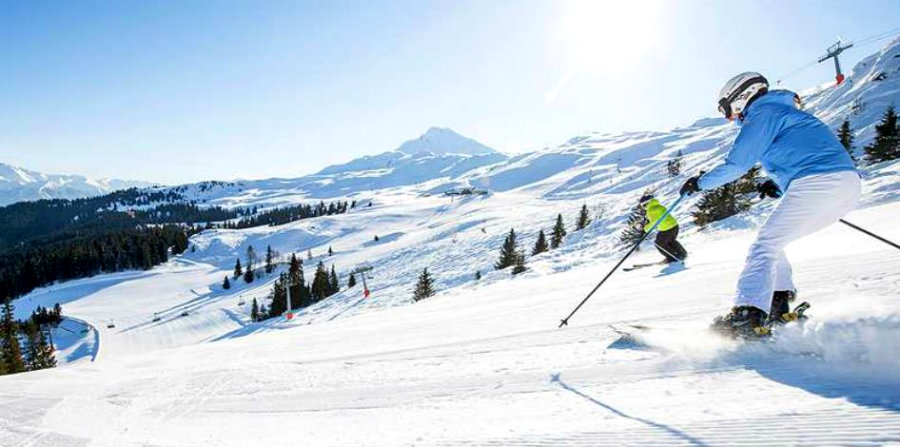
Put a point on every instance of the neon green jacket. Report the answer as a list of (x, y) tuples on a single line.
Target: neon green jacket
[(654, 212)]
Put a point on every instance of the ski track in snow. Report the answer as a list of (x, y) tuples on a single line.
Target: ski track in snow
[(483, 363)]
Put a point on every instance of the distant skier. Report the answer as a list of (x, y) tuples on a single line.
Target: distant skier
[(666, 238), (808, 166)]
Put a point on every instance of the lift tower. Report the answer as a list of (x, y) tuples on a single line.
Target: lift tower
[(833, 52)]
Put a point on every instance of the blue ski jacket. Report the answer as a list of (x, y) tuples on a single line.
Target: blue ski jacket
[(788, 142)]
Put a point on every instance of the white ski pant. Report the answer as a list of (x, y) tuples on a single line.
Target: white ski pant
[(809, 205)]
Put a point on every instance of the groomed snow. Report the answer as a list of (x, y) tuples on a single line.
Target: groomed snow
[(484, 364)]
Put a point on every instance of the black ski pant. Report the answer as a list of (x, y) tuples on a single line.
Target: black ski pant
[(668, 245)]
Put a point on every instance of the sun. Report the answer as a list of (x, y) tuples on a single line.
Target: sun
[(594, 30), (606, 37)]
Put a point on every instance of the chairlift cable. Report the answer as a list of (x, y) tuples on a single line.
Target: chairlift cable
[(864, 41)]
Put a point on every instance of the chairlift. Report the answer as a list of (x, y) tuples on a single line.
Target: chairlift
[(362, 270), (156, 317), (185, 313), (111, 325)]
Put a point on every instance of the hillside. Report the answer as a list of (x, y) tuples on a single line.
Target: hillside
[(482, 362)]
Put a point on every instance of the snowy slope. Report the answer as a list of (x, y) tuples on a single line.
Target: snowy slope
[(482, 363), (485, 365), (18, 184)]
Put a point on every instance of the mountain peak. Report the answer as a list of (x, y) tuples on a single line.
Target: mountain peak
[(440, 140), (19, 184)]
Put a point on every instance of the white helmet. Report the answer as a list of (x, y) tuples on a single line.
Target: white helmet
[(739, 90)]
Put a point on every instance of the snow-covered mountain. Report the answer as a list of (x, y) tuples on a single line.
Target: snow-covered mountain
[(583, 166), (19, 184), (439, 140), (436, 159), (482, 362)]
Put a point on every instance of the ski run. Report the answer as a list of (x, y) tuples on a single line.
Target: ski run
[(482, 362)]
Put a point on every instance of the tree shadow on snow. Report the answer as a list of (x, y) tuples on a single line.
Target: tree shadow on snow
[(682, 436), (242, 331)]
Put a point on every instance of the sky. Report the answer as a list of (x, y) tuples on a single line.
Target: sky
[(183, 91)]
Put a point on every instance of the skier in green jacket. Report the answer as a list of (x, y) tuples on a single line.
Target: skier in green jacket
[(667, 235)]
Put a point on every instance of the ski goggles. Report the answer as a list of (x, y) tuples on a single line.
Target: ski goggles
[(725, 108)]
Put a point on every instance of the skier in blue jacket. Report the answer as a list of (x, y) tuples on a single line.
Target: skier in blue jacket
[(810, 171)]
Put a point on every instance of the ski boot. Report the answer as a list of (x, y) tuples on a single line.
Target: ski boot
[(781, 308), (742, 322)]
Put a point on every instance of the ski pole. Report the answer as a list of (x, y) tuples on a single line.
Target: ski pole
[(863, 230), (565, 321)]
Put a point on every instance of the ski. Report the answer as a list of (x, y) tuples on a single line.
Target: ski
[(640, 266), (638, 333)]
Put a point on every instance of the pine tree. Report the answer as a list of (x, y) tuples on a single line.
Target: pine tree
[(746, 184), (330, 251), (251, 256), (540, 245), (584, 218), (477, 275), (634, 227), (509, 252), (181, 243), (299, 291), (559, 232), (845, 135), (278, 297), (249, 276), (238, 272), (270, 259), (226, 284), (424, 287), (334, 285), (727, 200), (254, 311), (886, 145), (320, 284), (519, 266), (10, 351), (40, 353), (32, 355), (47, 358), (376, 236), (146, 258), (352, 281), (673, 166), (309, 254)]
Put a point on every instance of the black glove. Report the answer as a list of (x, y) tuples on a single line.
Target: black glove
[(692, 185), (768, 188)]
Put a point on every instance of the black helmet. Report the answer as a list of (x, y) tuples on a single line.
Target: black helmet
[(646, 198)]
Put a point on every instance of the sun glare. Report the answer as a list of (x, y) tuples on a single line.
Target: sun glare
[(606, 37)]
